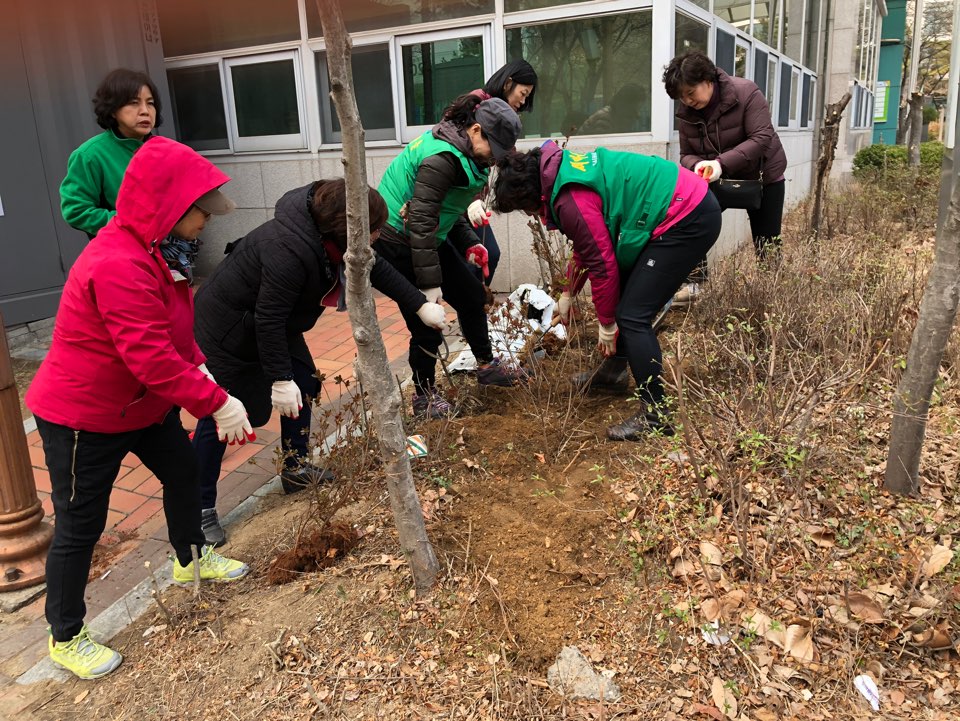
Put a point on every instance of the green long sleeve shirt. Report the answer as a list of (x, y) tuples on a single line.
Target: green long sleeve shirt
[(88, 193)]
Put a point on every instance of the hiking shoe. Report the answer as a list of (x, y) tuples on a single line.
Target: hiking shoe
[(295, 480), (213, 567), (612, 377), (640, 426), (431, 405), (496, 373), (212, 530), (84, 657), (687, 294)]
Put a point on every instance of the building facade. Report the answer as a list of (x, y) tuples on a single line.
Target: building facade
[(248, 86)]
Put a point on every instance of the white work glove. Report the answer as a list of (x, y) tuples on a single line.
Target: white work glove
[(433, 316), (478, 214), (232, 423), (206, 371), (433, 294), (607, 340), (709, 170), (565, 308), (286, 398)]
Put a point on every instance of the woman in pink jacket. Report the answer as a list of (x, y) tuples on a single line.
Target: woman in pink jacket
[(123, 359)]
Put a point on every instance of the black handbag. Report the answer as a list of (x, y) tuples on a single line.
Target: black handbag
[(734, 193)]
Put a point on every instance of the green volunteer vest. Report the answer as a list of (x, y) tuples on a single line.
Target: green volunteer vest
[(396, 187), (636, 191)]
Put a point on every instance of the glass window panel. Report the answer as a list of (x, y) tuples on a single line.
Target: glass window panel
[(760, 29), (511, 6), (805, 102), (597, 69), (771, 92), (373, 86), (198, 113), (740, 61), (690, 34), (813, 99), (360, 15), (188, 26), (760, 69), (812, 49), (735, 12), (786, 76), (435, 73), (725, 51), (793, 29), (265, 98), (794, 95), (705, 4)]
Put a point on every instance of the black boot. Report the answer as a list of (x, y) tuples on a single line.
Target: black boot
[(612, 377), (639, 426), (212, 530), (295, 480)]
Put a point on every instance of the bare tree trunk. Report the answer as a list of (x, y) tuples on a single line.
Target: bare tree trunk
[(828, 148), (372, 366), (903, 125), (916, 129), (938, 310)]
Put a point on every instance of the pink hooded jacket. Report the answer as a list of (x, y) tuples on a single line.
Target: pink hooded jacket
[(123, 352)]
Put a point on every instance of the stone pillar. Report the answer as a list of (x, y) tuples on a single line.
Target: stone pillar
[(24, 537)]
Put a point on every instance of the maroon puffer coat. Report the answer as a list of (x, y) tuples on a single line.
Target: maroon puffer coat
[(737, 132)]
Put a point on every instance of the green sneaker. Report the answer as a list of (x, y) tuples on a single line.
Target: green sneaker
[(83, 656), (213, 567)]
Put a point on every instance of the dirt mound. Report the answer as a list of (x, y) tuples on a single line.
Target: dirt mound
[(321, 549)]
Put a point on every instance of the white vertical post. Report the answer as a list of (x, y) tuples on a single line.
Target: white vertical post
[(662, 52)]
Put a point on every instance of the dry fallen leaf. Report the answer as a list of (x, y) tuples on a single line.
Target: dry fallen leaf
[(798, 642), (935, 639), (723, 697), (81, 696), (938, 559), (540, 457), (823, 537), (865, 608)]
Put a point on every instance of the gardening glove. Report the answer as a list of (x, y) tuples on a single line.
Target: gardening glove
[(203, 369), (709, 170), (433, 294), (433, 316), (477, 255), (565, 308), (607, 342), (478, 214), (286, 398), (232, 423)]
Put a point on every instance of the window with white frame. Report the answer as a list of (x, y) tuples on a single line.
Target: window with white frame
[(264, 96), (198, 106), (741, 59), (794, 96), (725, 51), (690, 34), (786, 88), (595, 74), (373, 87), (772, 65), (362, 15)]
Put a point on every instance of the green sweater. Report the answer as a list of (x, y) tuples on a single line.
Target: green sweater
[(88, 193)]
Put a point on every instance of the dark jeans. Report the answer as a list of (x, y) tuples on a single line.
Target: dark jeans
[(489, 241), (294, 432), (461, 290), (765, 226), (658, 273), (83, 466)]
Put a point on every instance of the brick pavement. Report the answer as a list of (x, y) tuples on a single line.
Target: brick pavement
[(135, 521)]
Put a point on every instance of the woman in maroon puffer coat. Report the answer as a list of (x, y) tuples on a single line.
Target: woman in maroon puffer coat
[(725, 125)]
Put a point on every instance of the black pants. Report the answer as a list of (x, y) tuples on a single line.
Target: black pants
[(83, 466), (461, 290), (658, 273), (254, 390)]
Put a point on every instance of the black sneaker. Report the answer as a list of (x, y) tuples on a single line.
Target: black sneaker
[(295, 480), (496, 373), (212, 530), (639, 426), (430, 404), (612, 377)]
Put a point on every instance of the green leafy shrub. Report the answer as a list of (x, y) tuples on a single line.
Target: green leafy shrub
[(884, 159)]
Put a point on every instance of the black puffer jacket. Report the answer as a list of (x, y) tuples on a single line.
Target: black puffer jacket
[(435, 177), (272, 287)]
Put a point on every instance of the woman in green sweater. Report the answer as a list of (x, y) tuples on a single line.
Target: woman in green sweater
[(127, 106)]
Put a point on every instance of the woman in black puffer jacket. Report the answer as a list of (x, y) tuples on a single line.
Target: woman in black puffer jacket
[(252, 312)]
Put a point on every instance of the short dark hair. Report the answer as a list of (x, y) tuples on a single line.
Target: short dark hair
[(116, 90), (329, 210), (688, 70), (517, 186)]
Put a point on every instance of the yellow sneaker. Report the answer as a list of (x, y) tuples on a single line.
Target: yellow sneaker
[(213, 567), (83, 656)]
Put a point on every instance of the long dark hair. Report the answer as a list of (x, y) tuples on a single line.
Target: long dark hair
[(501, 82), (329, 210), (116, 90), (461, 111), (688, 70), (517, 186)]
